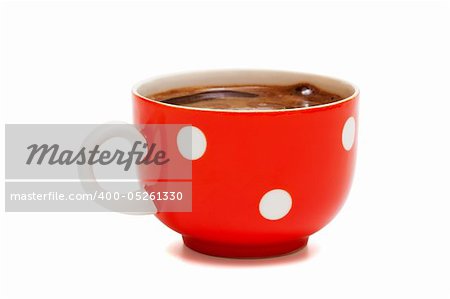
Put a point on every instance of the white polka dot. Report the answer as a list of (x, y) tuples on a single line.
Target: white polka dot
[(275, 204), (348, 133), (191, 142)]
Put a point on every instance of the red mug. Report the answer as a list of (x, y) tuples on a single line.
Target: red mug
[(263, 181)]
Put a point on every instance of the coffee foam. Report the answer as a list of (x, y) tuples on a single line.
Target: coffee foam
[(248, 97)]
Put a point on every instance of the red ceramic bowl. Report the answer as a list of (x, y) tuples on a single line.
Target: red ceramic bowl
[(262, 181)]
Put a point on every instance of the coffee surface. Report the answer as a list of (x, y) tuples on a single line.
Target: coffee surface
[(248, 97)]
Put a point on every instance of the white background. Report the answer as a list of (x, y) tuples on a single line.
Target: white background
[(76, 62)]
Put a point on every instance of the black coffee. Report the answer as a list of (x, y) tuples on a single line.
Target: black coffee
[(248, 97)]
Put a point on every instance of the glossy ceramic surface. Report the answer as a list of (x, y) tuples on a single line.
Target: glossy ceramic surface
[(263, 181)]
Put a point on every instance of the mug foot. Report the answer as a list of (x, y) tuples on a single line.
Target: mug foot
[(244, 250)]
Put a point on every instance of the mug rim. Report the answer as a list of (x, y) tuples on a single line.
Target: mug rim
[(353, 96)]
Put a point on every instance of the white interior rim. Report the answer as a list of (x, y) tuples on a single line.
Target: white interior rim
[(309, 77)]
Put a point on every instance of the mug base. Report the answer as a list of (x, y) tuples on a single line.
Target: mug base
[(244, 250)]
